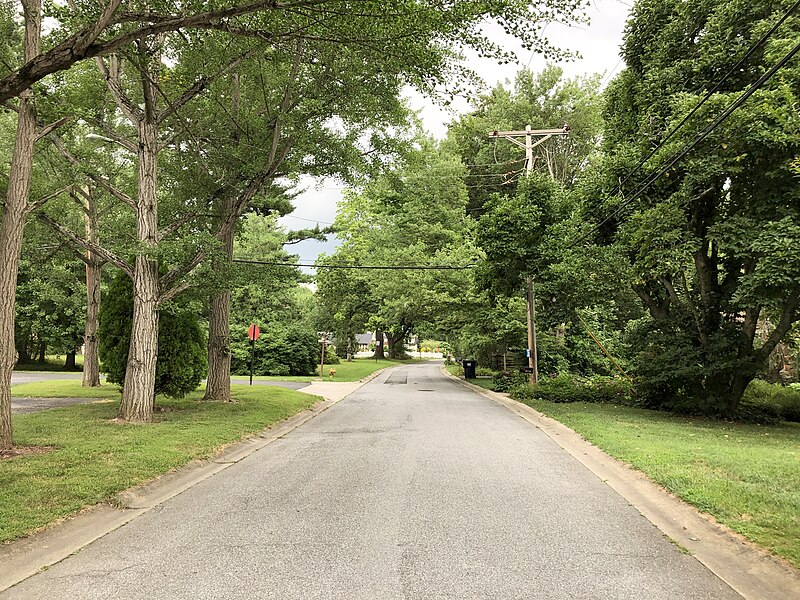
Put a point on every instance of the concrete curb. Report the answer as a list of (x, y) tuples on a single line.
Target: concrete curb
[(28, 556), (749, 570)]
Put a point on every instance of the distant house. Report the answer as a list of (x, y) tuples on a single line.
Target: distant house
[(364, 340)]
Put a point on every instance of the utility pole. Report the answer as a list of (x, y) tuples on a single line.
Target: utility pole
[(529, 145)]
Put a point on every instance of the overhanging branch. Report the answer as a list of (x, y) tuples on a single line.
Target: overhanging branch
[(106, 255)]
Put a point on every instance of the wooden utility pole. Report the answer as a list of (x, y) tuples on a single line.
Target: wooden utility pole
[(529, 145)]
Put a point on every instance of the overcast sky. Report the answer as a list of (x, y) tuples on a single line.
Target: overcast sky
[(598, 44)]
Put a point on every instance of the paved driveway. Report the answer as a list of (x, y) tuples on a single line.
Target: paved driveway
[(411, 487)]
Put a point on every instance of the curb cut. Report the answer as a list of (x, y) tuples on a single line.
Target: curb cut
[(748, 569), (28, 556)]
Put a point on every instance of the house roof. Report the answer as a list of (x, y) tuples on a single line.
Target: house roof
[(364, 338)]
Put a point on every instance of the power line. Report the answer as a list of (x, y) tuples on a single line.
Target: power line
[(309, 220), (705, 98), (268, 263), (700, 137)]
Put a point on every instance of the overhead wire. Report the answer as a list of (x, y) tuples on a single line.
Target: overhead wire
[(341, 265), (708, 95), (704, 133)]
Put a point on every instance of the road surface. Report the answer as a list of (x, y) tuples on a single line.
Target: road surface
[(412, 487)]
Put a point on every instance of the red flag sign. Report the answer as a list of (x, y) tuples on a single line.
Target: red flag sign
[(253, 333)]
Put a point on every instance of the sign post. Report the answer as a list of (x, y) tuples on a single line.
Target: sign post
[(253, 334)]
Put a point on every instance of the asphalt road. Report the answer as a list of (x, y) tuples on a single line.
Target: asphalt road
[(18, 377), (412, 487)]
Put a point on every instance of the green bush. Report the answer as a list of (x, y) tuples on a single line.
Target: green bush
[(567, 388), (769, 402), (331, 357), (281, 350), (181, 342), (505, 380)]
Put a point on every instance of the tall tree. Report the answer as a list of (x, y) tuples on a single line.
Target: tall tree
[(13, 223), (413, 215), (713, 244), (84, 33), (420, 40)]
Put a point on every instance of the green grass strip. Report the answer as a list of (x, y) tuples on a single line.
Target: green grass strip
[(64, 388), (746, 476), (345, 371), (94, 458)]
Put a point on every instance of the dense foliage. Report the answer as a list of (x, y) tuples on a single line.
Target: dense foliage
[(181, 341), (712, 246)]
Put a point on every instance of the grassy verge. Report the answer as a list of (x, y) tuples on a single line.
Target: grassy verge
[(94, 458), (64, 388), (746, 476), (52, 362), (483, 381), (455, 369), (345, 371)]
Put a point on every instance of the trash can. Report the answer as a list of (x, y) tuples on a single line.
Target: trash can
[(469, 368)]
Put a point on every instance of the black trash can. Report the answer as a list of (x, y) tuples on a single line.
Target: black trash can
[(469, 368)]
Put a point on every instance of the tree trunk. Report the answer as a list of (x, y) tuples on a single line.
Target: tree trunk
[(13, 224), (393, 346), (738, 386), (218, 383), (91, 359), (69, 363), (379, 350), (138, 393), (218, 386), (22, 343), (42, 353)]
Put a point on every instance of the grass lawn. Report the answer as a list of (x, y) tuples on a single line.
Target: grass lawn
[(53, 362), (94, 458), (64, 388), (746, 476), (484, 382), (345, 371)]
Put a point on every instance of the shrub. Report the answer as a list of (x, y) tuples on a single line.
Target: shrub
[(281, 350), (505, 380), (612, 390), (566, 388), (769, 402), (331, 357), (181, 342)]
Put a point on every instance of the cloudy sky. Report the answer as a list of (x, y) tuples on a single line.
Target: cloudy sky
[(598, 45)]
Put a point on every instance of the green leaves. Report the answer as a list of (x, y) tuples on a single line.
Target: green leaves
[(713, 242), (512, 234)]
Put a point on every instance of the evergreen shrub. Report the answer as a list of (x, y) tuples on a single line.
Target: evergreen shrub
[(182, 356)]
